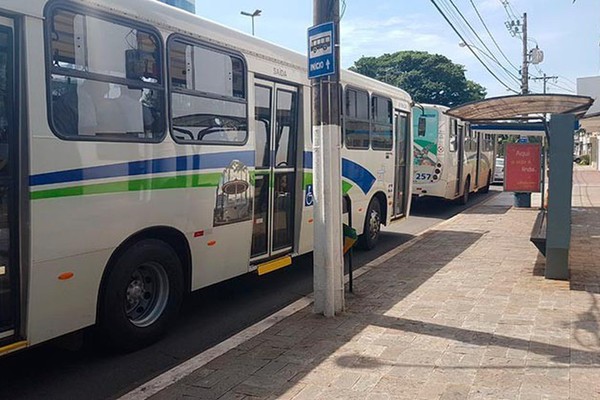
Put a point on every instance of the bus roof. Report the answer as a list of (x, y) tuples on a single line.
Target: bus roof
[(168, 17)]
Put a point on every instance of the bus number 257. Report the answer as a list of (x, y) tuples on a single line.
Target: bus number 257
[(420, 176)]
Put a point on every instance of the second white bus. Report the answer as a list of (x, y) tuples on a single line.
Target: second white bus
[(450, 160)]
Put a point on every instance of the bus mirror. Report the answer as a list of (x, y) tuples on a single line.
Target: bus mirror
[(422, 125)]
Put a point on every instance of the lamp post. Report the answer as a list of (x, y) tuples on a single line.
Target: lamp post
[(256, 13)]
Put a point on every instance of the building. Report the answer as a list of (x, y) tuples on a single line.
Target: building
[(187, 5), (588, 140)]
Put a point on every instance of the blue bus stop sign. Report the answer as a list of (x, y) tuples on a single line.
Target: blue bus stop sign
[(321, 60)]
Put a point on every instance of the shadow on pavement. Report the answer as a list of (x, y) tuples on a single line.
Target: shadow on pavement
[(273, 362)]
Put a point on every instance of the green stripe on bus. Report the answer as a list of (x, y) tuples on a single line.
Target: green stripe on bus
[(346, 186), (171, 182), (308, 180)]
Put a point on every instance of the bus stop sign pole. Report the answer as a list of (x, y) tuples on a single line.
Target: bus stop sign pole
[(323, 69)]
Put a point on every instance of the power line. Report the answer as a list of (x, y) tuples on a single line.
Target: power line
[(508, 8), (472, 29), (489, 54), (475, 54), (491, 36)]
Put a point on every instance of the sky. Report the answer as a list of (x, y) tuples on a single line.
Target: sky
[(568, 33)]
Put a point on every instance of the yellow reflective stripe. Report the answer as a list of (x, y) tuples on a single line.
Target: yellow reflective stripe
[(274, 265), (13, 347)]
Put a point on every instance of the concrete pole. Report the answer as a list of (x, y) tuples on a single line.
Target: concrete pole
[(328, 258), (525, 67), (524, 199)]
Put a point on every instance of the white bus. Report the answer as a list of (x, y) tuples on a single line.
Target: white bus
[(147, 153), (450, 159)]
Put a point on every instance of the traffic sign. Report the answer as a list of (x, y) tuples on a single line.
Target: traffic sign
[(321, 54)]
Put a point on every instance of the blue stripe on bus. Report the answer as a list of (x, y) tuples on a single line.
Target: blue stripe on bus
[(143, 167), (350, 170)]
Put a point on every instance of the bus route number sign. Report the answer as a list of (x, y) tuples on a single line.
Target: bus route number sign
[(321, 60), (522, 167)]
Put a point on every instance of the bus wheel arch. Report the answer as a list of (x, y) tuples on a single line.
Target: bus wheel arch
[(380, 196), (142, 288), (374, 217), (486, 188), (464, 198)]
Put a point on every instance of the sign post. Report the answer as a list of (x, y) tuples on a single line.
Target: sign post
[(323, 69)]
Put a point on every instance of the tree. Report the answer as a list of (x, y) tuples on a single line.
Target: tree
[(428, 78)]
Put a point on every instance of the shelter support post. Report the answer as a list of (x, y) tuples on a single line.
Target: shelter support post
[(558, 233)]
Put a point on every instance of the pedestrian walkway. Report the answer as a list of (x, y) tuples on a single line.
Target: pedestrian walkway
[(464, 312)]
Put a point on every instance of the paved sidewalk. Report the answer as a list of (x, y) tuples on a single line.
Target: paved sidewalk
[(463, 313)]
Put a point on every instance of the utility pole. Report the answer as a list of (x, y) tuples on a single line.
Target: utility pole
[(545, 78), (328, 258), (525, 68)]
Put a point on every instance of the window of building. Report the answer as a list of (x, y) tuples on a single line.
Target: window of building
[(208, 94), (356, 119), (106, 79)]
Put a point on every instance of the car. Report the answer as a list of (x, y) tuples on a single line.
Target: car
[(499, 170)]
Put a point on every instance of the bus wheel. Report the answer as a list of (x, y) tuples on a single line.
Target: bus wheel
[(464, 199), (486, 188), (368, 240), (142, 295)]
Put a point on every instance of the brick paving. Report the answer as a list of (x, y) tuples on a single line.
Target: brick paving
[(464, 313)]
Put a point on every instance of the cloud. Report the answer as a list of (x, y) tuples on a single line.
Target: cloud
[(371, 37)]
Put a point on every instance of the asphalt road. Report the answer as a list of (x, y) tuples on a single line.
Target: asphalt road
[(211, 315)]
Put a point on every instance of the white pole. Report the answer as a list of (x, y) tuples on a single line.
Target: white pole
[(328, 258)]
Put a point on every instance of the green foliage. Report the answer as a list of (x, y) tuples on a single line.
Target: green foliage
[(585, 159), (428, 78)]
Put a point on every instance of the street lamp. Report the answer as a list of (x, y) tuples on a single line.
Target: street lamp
[(483, 52), (256, 13)]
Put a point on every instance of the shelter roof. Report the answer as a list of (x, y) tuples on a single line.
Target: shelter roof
[(521, 107)]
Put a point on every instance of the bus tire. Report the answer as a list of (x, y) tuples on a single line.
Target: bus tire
[(372, 228), (486, 188), (464, 199), (142, 295)]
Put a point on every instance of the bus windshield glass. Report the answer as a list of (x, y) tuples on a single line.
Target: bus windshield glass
[(425, 144)]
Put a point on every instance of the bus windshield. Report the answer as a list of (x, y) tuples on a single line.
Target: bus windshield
[(425, 143)]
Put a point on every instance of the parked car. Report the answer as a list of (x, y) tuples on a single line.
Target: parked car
[(499, 170)]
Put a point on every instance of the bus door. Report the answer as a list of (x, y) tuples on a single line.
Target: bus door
[(402, 147), (276, 132), (8, 185), (457, 144), (477, 137)]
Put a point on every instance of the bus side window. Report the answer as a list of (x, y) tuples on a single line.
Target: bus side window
[(422, 125), (208, 94), (356, 120), (453, 136), (105, 78)]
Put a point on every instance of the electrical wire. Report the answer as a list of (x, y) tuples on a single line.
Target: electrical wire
[(495, 59), (474, 53), (491, 36), (460, 16)]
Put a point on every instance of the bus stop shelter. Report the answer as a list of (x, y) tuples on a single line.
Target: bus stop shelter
[(559, 114)]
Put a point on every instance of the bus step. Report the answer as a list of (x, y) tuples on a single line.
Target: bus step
[(274, 265)]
